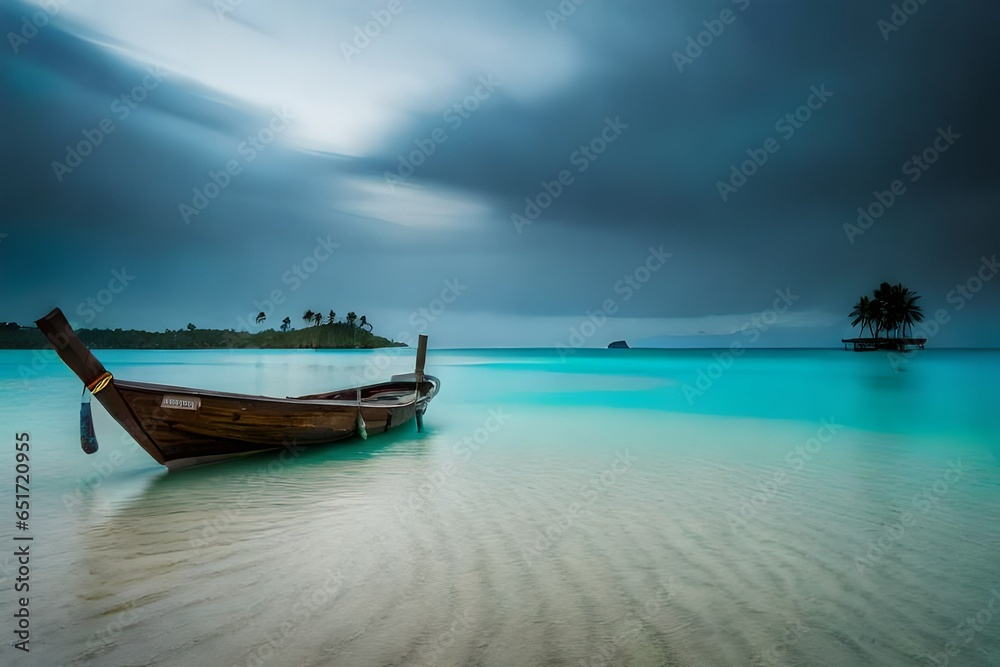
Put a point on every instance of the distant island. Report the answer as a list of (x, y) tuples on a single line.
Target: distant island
[(618, 345), (892, 310), (324, 333)]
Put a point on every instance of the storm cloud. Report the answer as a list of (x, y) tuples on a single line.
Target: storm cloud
[(357, 158)]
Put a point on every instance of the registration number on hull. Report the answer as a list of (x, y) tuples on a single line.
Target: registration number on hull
[(180, 402)]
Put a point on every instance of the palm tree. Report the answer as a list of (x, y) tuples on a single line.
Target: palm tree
[(318, 318), (898, 297), (332, 318), (308, 316), (286, 323), (910, 312), (886, 310), (863, 314), (351, 318), (260, 317), (363, 322), (892, 309)]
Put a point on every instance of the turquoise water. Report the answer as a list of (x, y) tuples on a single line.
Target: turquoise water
[(613, 507)]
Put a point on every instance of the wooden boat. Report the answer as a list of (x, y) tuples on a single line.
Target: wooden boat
[(179, 426)]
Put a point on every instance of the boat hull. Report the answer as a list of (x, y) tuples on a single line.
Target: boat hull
[(184, 424)]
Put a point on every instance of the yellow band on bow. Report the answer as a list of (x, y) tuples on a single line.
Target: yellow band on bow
[(100, 383)]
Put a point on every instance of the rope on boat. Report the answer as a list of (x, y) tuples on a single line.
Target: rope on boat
[(419, 418), (360, 421), (88, 438)]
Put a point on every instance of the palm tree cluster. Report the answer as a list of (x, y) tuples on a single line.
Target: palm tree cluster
[(317, 318), (892, 309)]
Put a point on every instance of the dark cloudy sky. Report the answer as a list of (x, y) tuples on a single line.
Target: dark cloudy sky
[(491, 100)]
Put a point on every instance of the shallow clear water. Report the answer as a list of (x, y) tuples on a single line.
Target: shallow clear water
[(614, 507)]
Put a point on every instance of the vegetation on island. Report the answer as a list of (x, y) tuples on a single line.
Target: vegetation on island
[(892, 310), (321, 333)]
